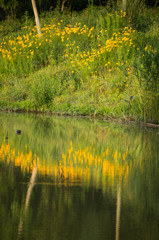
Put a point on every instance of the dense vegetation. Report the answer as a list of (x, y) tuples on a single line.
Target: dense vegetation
[(99, 62)]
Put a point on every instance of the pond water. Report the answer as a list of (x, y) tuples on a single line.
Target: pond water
[(70, 178)]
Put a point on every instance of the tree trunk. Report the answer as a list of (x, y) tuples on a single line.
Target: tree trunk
[(36, 17), (124, 5), (100, 2), (63, 5)]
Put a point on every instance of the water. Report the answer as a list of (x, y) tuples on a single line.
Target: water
[(67, 179)]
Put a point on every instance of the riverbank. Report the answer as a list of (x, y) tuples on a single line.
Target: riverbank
[(104, 67)]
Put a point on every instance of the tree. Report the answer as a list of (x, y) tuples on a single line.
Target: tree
[(100, 2), (36, 17), (124, 5), (63, 5)]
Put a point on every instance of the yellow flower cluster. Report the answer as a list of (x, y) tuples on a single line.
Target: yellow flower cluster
[(11, 48), (119, 42), (149, 49), (26, 44), (108, 48)]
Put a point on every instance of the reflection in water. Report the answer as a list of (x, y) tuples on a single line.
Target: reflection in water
[(31, 185), (118, 206), (28, 195), (6, 138), (76, 166), (72, 179)]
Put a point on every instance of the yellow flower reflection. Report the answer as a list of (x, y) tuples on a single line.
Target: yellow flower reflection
[(82, 166)]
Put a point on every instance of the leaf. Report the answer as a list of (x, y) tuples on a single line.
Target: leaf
[(131, 97)]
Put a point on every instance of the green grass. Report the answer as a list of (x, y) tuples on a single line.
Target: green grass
[(105, 66)]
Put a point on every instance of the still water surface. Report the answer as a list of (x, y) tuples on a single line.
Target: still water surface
[(68, 179)]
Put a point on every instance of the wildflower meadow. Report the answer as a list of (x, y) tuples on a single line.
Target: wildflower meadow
[(81, 65)]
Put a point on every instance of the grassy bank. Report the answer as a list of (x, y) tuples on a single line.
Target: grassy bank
[(98, 62)]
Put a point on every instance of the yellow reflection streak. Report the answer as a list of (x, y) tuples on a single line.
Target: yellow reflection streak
[(75, 166)]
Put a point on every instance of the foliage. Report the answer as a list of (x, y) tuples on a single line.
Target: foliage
[(9, 6)]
